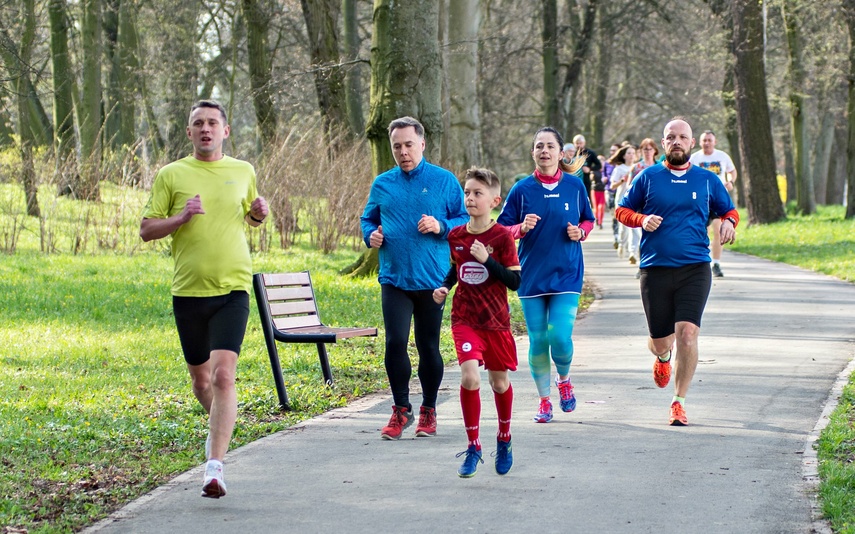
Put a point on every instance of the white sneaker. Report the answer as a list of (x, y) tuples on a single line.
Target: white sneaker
[(214, 485)]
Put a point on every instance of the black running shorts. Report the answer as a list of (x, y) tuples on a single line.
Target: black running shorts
[(210, 323), (674, 294)]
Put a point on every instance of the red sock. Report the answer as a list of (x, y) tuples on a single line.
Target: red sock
[(470, 402), (504, 408)]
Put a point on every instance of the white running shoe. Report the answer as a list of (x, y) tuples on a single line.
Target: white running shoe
[(214, 485)]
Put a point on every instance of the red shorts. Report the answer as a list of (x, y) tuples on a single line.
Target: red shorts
[(496, 350)]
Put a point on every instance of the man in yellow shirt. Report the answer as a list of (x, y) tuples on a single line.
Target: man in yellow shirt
[(202, 201)]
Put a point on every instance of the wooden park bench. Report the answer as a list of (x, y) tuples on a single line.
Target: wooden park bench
[(289, 314)]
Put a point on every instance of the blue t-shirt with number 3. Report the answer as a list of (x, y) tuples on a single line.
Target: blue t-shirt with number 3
[(551, 262)]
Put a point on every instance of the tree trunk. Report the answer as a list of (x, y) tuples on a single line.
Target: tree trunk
[(798, 107), (406, 75), (129, 68), (40, 124), (596, 124), (581, 48), (822, 149), (752, 109), (90, 111), (28, 170), (461, 49), (352, 81), (849, 11), (732, 134), (181, 60), (549, 40), (63, 102), (406, 78), (260, 75), (835, 192), (321, 20), (113, 109)]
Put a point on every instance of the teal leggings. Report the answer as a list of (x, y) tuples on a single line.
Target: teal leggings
[(549, 320)]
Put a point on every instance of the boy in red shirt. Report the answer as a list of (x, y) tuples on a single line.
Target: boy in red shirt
[(484, 261)]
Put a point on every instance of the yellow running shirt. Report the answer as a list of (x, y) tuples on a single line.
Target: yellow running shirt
[(210, 251)]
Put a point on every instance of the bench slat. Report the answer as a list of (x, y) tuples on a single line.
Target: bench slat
[(287, 279), (289, 293), (286, 324), (293, 307)]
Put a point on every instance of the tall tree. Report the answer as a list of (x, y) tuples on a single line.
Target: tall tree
[(406, 75), (602, 68), (321, 20), (179, 57), (113, 110), (849, 11), (752, 110), (27, 139), (461, 52), (260, 69), (549, 53), (581, 49), (90, 110), (798, 108), (352, 80), (39, 121), (129, 72), (63, 89)]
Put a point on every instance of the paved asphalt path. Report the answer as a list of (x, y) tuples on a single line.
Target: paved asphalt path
[(775, 340)]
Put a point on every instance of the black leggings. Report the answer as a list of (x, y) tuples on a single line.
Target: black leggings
[(399, 307)]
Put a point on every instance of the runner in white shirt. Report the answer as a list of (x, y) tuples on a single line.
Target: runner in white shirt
[(719, 163)]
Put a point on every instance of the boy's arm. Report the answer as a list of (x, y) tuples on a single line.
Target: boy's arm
[(450, 278), (511, 278)]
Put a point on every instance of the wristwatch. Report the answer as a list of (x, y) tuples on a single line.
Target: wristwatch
[(732, 221)]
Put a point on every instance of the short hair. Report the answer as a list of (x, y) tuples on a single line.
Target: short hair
[(651, 142), (213, 104), (406, 122), (578, 137), (708, 132), (486, 177)]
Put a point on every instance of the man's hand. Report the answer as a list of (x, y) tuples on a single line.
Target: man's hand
[(191, 208), (259, 209), (728, 233), (428, 225), (376, 237), (529, 222), (479, 251), (439, 294), (651, 223)]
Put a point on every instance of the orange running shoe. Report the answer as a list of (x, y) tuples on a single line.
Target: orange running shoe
[(678, 415), (662, 372)]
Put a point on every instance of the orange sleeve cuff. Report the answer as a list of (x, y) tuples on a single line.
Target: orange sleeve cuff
[(629, 218), (732, 213)]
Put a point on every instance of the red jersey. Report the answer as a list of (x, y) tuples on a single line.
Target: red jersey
[(481, 300)]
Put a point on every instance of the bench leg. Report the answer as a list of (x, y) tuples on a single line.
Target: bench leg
[(325, 364)]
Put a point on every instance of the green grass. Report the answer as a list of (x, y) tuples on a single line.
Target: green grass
[(823, 242)]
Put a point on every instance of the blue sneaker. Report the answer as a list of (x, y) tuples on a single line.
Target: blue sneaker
[(565, 391), (504, 457), (470, 463), (544, 412)]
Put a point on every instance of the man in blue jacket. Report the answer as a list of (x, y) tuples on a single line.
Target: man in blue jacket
[(410, 210)]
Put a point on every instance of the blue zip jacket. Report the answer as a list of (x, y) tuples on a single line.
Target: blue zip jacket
[(410, 260)]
